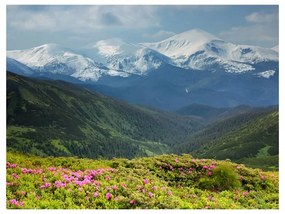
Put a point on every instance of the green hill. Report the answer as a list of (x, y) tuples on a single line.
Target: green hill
[(55, 118), (160, 182), (250, 138)]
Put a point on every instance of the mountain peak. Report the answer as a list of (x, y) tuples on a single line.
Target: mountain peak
[(194, 35), (115, 46)]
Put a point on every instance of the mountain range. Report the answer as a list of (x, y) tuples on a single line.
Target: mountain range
[(191, 67)]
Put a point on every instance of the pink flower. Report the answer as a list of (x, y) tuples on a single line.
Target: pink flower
[(176, 160), (115, 187), (190, 172), (108, 178), (169, 192), (145, 181), (205, 167), (13, 201), (123, 185), (262, 177), (150, 194), (154, 188), (210, 173), (245, 193), (51, 169), (38, 197), (15, 176), (95, 195), (109, 196), (139, 187), (132, 202)]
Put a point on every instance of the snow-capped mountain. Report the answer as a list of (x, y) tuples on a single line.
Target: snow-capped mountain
[(194, 50), (123, 58), (55, 59), (197, 49)]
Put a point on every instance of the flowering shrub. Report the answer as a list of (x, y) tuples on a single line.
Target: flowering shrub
[(166, 181)]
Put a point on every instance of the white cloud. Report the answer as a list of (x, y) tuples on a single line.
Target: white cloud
[(77, 18), (261, 18), (162, 34), (261, 29)]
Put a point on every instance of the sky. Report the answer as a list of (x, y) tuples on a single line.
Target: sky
[(79, 26)]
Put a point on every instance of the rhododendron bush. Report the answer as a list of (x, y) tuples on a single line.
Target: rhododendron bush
[(166, 181)]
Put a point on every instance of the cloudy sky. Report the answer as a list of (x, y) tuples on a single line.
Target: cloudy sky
[(77, 26)]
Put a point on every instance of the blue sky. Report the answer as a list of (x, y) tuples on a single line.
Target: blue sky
[(77, 26)]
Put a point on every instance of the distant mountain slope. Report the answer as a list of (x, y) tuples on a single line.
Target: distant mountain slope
[(18, 68), (58, 118), (242, 138)]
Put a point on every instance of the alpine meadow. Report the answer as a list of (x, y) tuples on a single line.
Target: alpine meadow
[(142, 107)]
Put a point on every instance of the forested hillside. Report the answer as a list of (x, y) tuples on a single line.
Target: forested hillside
[(250, 137), (61, 119)]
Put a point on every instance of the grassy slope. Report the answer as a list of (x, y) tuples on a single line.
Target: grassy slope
[(166, 181), (243, 137), (61, 119), (254, 143)]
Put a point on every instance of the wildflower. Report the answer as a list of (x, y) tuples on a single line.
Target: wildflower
[(80, 189), (38, 197), (262, 177), (95, 195), (123, 185), (154, 188), (169, 192), (15, 176), (139, 187), (176, 160), (132, 202), (108, 178), (115, 187), (210, 173), (51, 169), (13, 201), (241, 178), (245, 193), (205, 167), (109, 196), (150, 194), (145, 181), (160, 168)]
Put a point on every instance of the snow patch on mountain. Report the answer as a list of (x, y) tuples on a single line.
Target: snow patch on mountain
[(266, 74)]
